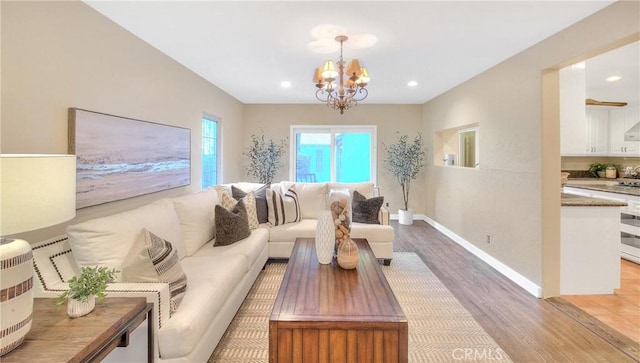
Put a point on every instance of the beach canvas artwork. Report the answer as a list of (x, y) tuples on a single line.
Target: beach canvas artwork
[(119, 157)]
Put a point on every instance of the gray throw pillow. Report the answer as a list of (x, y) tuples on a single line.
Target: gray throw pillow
[(231, 225), (262, 210), (366, 210)]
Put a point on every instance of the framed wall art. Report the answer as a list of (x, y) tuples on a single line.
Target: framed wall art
[(119, 157)]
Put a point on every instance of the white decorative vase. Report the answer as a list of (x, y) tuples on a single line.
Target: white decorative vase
[(405, 216), (325, 237), (77, 308), (16, 298)]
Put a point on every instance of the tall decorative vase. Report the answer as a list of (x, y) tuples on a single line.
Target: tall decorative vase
[(325, 237), (340, 205), (16, 297)]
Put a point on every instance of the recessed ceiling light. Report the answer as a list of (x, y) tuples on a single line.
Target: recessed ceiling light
[(412, 83), (285, 84), (613, 78), (580, 65)]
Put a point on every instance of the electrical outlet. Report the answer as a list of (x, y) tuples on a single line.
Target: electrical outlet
[(488, 238), (387, 204)]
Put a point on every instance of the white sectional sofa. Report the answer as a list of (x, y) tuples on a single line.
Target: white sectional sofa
[(218, 278)]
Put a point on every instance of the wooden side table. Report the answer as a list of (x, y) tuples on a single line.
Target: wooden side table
[(55, 337)]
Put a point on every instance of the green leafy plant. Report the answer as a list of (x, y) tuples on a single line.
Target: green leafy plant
[(91, 281), (405, 158), (596, 167), (264, 158)]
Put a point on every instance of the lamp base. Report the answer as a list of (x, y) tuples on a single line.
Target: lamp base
[(16, 293)]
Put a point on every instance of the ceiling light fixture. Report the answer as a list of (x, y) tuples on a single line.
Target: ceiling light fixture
[(412, 83), (344, 95), (614, 78)]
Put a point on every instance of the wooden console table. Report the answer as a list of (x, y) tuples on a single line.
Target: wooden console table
[(324, 313), (55, 337)]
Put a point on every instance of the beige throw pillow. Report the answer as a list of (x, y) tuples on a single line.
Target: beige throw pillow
[(228, 202)]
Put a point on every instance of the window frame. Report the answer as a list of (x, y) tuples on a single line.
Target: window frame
[(218, 173), (372, 130)]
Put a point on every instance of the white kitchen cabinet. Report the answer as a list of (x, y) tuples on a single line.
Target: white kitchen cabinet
[(597, 130), (573, 117), (621, 120)]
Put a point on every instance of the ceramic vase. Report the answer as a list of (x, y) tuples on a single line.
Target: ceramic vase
[(325, 237), (348, 254), (16, 283), (77, 308), (340, 206)]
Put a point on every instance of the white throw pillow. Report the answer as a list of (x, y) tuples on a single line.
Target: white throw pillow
[(283, 208)]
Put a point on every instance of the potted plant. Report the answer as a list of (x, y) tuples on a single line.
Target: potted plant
[(264, 158), (405, 159), (83, 290), (598, 170)]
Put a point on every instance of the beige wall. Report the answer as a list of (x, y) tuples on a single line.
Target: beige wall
[(514, 194), (57, 55), (275, 121)]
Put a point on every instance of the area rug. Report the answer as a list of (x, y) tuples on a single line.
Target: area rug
[(440, 328)]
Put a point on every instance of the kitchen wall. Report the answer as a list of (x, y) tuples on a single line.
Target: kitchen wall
[(514, 194), (584, 162), (57, 55), (275, 121)]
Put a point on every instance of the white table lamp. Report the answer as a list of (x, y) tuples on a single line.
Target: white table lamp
[(36, 191)]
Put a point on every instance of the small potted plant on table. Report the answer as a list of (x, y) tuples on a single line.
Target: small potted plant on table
[(83, 290), (598, 170)]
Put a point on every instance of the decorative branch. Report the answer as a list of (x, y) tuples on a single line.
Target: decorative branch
[(264, 158)]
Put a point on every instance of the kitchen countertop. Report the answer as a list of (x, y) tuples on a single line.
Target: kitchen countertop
[(606, 185), (572, 200)]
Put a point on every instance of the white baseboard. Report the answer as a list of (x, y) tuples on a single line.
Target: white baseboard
[(507, 271)]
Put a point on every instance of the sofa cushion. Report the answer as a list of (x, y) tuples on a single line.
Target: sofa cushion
[(290, 231), (106, 241), (312, 197), (249, 202), (196, 214), (364, 188), (283, 208), (153, 259), (260, 192), (231, 225), (372, 232), (366, 210), (250, 247), (211, 281)]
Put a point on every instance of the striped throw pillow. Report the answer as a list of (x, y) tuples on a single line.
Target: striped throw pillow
[(283, 208), (156, 261)]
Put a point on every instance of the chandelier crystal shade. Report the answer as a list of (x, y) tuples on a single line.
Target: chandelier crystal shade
[(343, 94)]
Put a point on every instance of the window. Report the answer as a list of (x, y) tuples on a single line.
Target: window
[(458, 146), (333, 153), (209, 151)]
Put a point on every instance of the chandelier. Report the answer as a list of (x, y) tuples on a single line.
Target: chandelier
[(343, 95)]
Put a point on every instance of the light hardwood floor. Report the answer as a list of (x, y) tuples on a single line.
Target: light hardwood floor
[(527, 328)]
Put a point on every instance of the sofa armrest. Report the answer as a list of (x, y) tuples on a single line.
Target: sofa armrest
[(155, 292), (383, 216)]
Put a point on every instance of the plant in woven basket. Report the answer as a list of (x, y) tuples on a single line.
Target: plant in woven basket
[(91, 281), (404, 159), (264, 158)]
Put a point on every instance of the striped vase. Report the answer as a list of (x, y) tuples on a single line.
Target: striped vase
[(16, 293)]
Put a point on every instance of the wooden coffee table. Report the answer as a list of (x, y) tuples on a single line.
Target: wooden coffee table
[(324, 313)]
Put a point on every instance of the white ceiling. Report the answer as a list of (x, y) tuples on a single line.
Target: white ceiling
[(247, 48), (623, 62)]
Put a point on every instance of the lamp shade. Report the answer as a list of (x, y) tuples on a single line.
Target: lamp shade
[(36, 191), (353, 69), (329, 70)]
